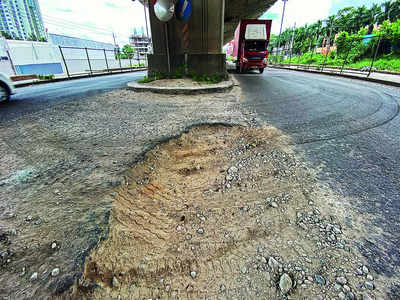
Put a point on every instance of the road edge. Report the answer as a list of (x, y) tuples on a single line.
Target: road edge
[(24, 84), (385, 82)]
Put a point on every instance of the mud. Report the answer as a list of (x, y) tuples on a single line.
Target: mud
[(200, 217)]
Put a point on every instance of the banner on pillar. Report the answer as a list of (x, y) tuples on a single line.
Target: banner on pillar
[(183, 10)]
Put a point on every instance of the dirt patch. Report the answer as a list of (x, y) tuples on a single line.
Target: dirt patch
[(58, 166), (224, 212)]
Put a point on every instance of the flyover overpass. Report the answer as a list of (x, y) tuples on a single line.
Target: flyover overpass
[(212, 24)]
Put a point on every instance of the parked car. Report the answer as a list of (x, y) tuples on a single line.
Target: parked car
[(6, 87)]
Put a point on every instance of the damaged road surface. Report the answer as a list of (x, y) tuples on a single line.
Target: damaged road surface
[(140, 196)]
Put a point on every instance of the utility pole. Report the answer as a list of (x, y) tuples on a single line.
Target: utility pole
[(280, 31)]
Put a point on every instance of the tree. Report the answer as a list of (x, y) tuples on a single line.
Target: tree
[(373, 13), (128, 51), (6, 35), (32, 37), (343, 44)]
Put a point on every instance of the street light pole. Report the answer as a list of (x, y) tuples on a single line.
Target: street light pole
[(280, 31)]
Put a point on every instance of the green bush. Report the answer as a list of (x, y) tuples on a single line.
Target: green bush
[(147, 79)]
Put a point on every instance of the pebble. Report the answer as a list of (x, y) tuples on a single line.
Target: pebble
[(366, 297), (319, 279), (342, 280), (351, 296), (346, 288), (28, 218), (193, 274), (342, 296), (115, 282), (233, 169), (222, 288), (55, 272), (272, 263), (365, 269), (369, 285), (337, 286), (200, 230), (285, 283), (34, 276), (53, 245), (370, 277), (274, 204), (188, 237)]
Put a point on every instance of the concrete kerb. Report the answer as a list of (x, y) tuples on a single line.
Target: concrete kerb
[(214, 88), (74, 77), (381, 81)]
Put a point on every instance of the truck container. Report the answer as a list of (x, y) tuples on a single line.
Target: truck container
[(250, 44)]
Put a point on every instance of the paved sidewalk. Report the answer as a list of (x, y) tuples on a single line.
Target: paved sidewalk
[(384, 78), (63, 77)]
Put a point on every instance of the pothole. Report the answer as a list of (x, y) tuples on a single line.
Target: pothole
[(219, 212)]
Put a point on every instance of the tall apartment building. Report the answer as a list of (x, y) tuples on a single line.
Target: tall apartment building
[(21, 19)]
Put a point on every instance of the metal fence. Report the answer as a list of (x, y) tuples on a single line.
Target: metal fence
[(78, 61), (291, 57)]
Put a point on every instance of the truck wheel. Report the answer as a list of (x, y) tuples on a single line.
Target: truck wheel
[(4, 93), (261, 70)]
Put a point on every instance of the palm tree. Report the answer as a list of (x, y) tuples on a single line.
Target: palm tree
[(360, 18), (372, 15), (385, 15), (395, 11)]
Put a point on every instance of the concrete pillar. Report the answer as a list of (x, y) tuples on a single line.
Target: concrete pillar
[(205, 42)]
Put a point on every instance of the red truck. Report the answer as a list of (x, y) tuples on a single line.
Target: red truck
[(250, 44)]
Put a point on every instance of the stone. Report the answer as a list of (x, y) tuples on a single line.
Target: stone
[(370, 277), (193, 274), (274, 204), (342, 280), (342, 296), (369, 285), (366, 297), (319, 279), (337, 287), (200, 231), (346, 288), (285, 283), (28, 218), (336, 230), (34, 276), (55, 272), (115, 282), (365, 269), (53, 245), (272, 263), (350, 296), (233, 170), (222, 288)]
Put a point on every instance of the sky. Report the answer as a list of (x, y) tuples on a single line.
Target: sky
[(93, 19), (98, 19), (304, 12)]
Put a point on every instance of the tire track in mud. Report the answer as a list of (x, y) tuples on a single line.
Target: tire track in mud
[(190, 219)]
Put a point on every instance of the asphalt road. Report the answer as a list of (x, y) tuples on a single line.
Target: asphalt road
[(351, 129), (37, 97)]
